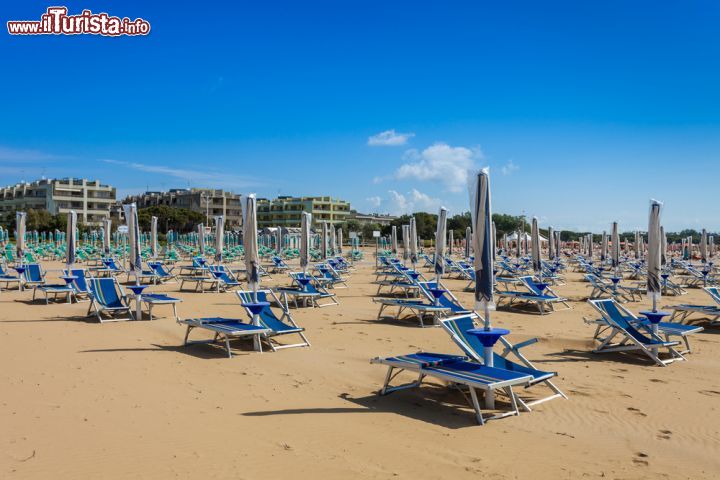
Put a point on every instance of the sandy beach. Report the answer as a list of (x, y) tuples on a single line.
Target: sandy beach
[(127, 400)]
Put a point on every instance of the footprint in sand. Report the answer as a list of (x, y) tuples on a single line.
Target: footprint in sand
[(640, 459), (664, 434), (709, 393), (657, 380), (637, 411)]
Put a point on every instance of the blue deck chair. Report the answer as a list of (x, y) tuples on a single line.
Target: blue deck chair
[(683, 311), (312, 292), (447, 300), (107, 297), (531, 296), (222, 278), (161, 273), (33, 275), (617, 321), (279, 264), (6, 278), (80, 284), (223, 330), (458, 326), (282, 325), (456, 371)]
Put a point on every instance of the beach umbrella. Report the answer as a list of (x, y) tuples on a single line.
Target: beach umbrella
[(406, 242), (201, 239), (653, 255), (505, 247), (393, 240), (615, 254), (711, 252), (518, 252), (324, 241), (603, 247), (494, 239), (663, 247), (107, 236), (131, 220), (305, 222), (413, 242), (481, 217), (278, 241), (250, 244), (333, 240), (440, 235), (535, 240), (703, 246), (153, 237), (339, 240), (468, 239), (20, 218), (219, 237), (638, 247), (551, 244), (451, 241), (72, 240), (559, 243)]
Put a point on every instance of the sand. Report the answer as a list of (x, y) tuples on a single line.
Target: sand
[(126, 400)]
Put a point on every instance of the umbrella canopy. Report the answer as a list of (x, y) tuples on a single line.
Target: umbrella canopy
[(468, 240), (278, 241), (711, 241), (324, 241), (637, 245), (653, 255), (518, 252), (339, 240), (535, 244), (219, 237), (305, 222), (603, 247), (250, 242), (20, 218), (551, 243), (615, 254), (440, 235), (154, 237), (663, 247), (201, 239), (413, 241), (703, 246), (406, 242), (393, 240), (558, 234), (481, 215), (131, 220), (333, 240), (451, 241), (107, 235), (71, 239)]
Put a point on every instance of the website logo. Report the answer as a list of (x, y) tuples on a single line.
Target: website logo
[(56, 21)]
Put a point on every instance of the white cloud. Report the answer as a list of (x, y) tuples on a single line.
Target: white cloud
[(441, 163), (203, 178), (8, 154), (389, 138), (412, 201), (374, 201), (509, 168)]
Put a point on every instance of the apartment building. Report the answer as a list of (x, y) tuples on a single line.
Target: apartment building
[(89, 198), (286, 211), (209, 202)]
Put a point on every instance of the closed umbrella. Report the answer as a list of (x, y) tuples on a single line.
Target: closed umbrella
[(654, 254), (305, 222), (481, 215), (440, 235), (468, 234), (703, 246), (201, 240), (135, 259), (406, 242), (278, 241), (250, 244), (413, 242), (324, 241), (638, 247), (615, 255), (551, 244), (71, 240), (219, 237), (20, 218), (333, 240), (535, 244), (107, 235), (339, 241), (663, 247), (603, 247), (154, 237), (518, 252), (451, 241), (393, 240)]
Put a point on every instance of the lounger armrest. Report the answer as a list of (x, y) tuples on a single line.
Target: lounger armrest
[(526, 343)]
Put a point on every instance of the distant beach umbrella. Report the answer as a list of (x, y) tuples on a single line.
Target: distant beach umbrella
[(440, 235), (551, 244), (703, 246), (413, 242), (493, 236), (107, 235), (518, 251), (468, 241), (711, 240), (663, 247), (603, 247), (406, 242), (71, 240), (333, 240), (393, 240), (638, 246), (535, 240), (339, 241), (201, 239), (451, 241), (20, 218), (481, 215), (250, 242), (131, 220), (615, 255), (219, 237), (305, 222), (558, 248), (653, 255), (153, 237), (324, 241)]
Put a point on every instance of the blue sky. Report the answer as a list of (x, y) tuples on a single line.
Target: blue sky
[(583, 110)]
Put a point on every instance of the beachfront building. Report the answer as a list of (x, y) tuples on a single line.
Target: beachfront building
[(286, 211), (372, 218), (209, 202), (89, 198)]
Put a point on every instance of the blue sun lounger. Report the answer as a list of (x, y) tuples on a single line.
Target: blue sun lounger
[(223, 329), (712, 312), (458, 326), (457, 371), (107, 297), (80, 284), (7, 279), (311, 292), (278, 325), (531, 296), (160, 273), (634, 335)]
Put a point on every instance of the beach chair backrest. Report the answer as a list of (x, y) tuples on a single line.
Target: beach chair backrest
[(106, 292), (80, 283), (457, 327), (33, 273), (714, 293)]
